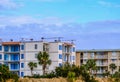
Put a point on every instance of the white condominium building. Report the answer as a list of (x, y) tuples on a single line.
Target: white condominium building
[(17, 55)]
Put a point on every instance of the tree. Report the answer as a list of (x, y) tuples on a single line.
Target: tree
[(32, 65), (5, 73), (43, 59), (91, 65), (112, 66)]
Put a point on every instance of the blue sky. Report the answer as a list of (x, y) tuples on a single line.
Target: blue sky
[(94, 24)]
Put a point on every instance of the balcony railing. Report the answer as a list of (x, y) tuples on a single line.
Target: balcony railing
[(113, 57), (102, 64), (101, 57), (16, 60), (17, 69)]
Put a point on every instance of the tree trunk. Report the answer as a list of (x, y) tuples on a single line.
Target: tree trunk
[(31, 73), (67, 58), (44, 69)]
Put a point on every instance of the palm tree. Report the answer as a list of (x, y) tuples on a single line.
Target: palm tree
[(112, 66), (43, 58), (90, 65), (32, 65)]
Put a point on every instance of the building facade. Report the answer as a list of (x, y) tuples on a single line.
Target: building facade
[(17, 55), (103, 59)]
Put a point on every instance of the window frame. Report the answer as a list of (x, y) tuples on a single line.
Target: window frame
[(35, 46), (60, 56), (0, 56), (22, 56), (60, 47), (22, 65)]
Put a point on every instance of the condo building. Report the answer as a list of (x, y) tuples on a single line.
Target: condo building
[(103, 59), (17, 55)]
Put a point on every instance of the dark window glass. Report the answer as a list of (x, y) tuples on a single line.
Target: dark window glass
[(36, 46)]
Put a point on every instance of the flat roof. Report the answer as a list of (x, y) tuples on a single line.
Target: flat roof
[(98, 50), (10, 43)]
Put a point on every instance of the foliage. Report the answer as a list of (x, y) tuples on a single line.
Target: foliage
[(65, 69), (106, 73), (112, 66), (49, 75), (117, 76), (71, 76), (6, 74), (15, 77), (68, 70), (32, 65), (91, 65), (43, 58)]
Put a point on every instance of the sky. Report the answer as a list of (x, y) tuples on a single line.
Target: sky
[(93, 24)]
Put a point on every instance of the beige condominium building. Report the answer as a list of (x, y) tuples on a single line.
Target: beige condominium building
[(103, 59)]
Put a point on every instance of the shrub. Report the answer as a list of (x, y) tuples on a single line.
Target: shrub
[(71, 76)]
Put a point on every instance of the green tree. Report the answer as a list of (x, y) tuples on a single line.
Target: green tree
[(32, 65), (91, 65), (6, 74), (106, 73), (43, 58), (112, 66)]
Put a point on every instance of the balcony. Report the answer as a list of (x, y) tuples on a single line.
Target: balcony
[(11, 61), (12, 58), (14, 67), (67, 52), (12, 52), (17, 69), (98, 72), (101, 57), (102, 64), (113, 57)]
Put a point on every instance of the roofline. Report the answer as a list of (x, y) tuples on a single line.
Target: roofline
[(98, 50), (10, 43)]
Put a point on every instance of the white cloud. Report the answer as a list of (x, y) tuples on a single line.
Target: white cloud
[(9, 4), (108, 4), (50, 0), (92, 35), (18, 20)]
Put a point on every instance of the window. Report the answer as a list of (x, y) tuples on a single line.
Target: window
[(6, 63), (85, 55), (73, 49), (60, 56), (6, 57), (92, 55), (114, 54), (114, 60), (14, 57), (0, 56), (22, 47), (6, 48), (36, 46), (36, 55), (14, 48), (60, 47), (22, 74), (22, 65), (22, 56), (60, 64), (14, 66), (0, 48), (65, 57), (73, 57)]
